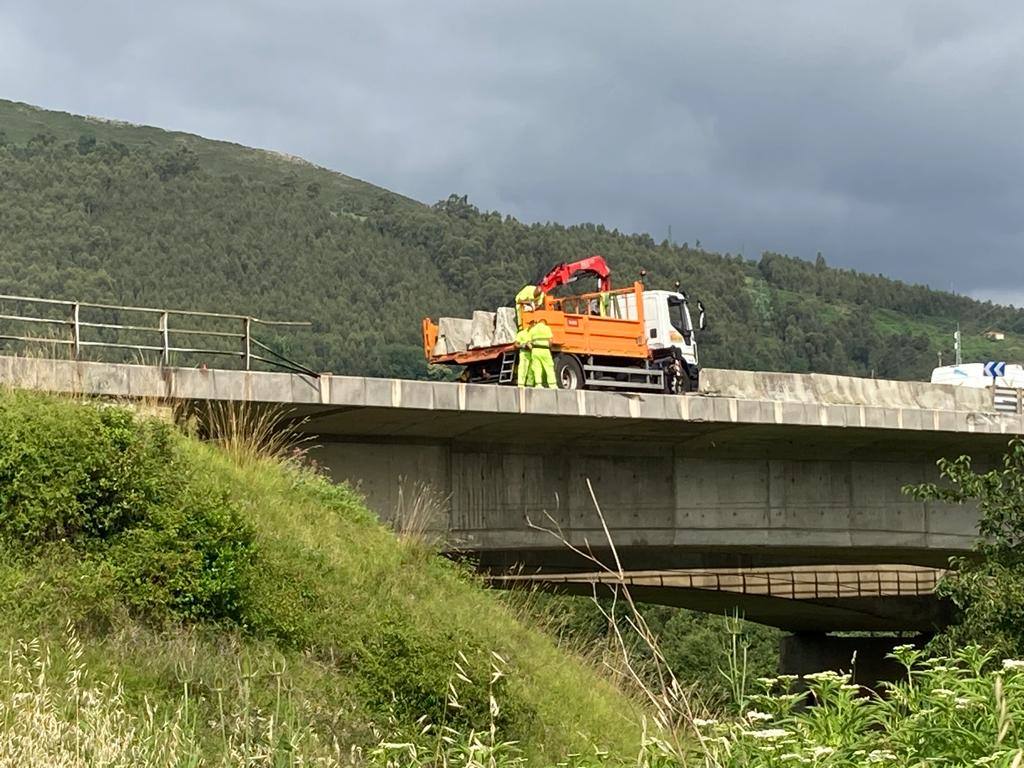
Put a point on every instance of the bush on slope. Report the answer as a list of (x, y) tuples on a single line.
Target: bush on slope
[(178, 565)]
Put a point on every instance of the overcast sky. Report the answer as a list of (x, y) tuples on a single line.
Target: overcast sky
[(887, 135)]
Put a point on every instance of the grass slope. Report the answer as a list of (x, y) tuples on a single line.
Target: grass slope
[(262, 589)]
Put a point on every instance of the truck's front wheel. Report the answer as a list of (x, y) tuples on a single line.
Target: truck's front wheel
[(568, 372)]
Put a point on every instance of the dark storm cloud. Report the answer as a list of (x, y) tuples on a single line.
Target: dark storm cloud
[(886, 135)]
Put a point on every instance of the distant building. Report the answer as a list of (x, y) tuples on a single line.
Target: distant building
[(994, 335)]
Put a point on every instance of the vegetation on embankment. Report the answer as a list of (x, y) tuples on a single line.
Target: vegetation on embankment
[(101, 211), (261, 589)]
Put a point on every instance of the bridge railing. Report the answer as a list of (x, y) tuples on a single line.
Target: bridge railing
[(1008, 399), (138, 334)]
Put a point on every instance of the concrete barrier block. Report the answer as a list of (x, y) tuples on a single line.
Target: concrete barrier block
[(348, 390), (881, 418), (947, 422), (481, 330), (541, 401), (912, 418), (505, 325), (446, 396), (656, 406), (63, 376), (566, 403), (701, 408), (378, 392), (508, 399), (722, 409), (229, 385), (481, 397), (798, 413), (303, 389), (835, 416), (417, 394), (268, 387), (109, 379), (148, 381), (755, 411), (452, 335), (6, 370), (608, 404)]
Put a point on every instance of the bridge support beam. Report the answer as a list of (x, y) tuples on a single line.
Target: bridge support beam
[(865, 657)]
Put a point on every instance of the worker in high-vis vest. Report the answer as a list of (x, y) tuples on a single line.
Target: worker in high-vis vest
[(540, 353), (528, 299), (524, 367)]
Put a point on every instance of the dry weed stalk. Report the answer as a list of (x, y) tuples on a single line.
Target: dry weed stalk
[(672, 701), (420, 513)]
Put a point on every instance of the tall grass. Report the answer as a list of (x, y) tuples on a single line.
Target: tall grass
[(252, 432), (53, 713), (421, 515)]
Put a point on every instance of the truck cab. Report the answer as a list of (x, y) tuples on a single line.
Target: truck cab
[(668, 324)]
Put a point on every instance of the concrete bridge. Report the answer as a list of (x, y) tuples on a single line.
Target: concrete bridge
[(758, 473)]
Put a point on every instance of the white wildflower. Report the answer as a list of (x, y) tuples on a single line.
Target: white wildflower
[(826, 675), (769, 733), (1013, 663), (943, 692), (880, 755), (822, 751), (702, 723), (755, 716)]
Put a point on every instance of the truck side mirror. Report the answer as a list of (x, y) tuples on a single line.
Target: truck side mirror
[(702, 316)]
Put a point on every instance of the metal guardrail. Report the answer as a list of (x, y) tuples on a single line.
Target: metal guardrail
[(79, 326), (1008, 399)]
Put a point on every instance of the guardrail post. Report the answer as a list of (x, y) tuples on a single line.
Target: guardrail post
[(165, 334), (76, 328), (248, 343)]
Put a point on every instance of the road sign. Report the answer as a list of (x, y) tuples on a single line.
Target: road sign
[(995, 370)]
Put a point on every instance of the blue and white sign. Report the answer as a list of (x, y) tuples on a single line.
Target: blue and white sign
[(995, 370)]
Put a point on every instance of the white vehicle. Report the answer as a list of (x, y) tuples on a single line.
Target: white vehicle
[(973, 375)]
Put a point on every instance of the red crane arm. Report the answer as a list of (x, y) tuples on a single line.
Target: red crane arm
[(592, 266)]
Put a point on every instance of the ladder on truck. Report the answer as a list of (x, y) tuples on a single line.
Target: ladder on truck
[(507, 374)]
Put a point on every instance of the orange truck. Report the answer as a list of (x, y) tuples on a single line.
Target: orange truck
[(629, 339)]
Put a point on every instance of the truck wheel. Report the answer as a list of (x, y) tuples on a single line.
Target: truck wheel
[(679, 379), (568, 372)]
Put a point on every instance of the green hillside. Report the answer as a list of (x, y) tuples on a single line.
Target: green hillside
[(247, 588), (102, 211)]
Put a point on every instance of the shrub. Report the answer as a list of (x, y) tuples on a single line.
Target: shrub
[(948, 711), (986, 587), (117, 491)]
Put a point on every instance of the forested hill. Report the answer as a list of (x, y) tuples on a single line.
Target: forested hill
[(102, 211)]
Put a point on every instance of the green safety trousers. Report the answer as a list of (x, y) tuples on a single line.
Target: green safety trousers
[(543, 368), (524, 366), (524, 369)]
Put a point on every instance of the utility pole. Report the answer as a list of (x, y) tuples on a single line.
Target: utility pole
[(956, 344)]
